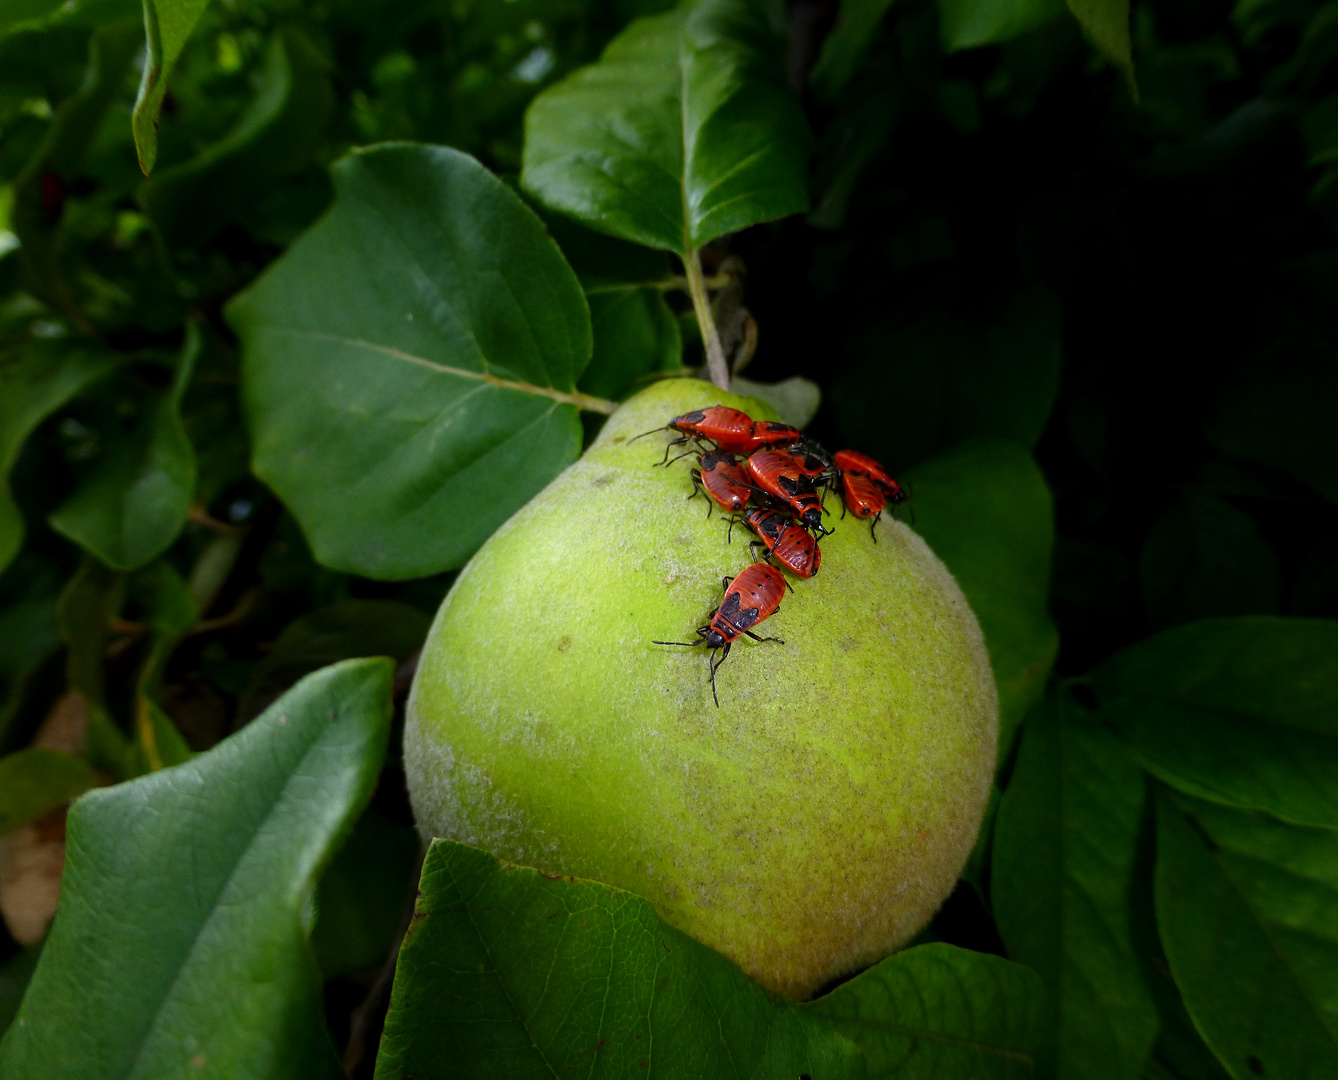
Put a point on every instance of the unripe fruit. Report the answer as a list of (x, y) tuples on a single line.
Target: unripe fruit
[(805, 828)]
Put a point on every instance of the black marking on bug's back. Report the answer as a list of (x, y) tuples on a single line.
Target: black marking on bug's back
[(770, 524), (747, 617), (791, 485), (692, 417), (716, 457)]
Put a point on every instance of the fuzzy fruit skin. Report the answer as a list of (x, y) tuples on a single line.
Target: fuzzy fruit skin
[(806, 828)]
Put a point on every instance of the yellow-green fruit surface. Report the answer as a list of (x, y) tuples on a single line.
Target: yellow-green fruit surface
[(808, 826)]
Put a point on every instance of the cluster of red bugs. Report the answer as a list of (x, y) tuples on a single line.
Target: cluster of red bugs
[(769, 475)]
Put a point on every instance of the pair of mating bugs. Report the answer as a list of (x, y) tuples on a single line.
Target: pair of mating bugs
[(785, 469)]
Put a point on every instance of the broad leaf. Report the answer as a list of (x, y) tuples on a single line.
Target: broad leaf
[(1242, 711), (184, 891), (684, 131), (1065, 853), (938, 1012), (274, 139), (506, 971), (168, 24), (36, 780), (34, 383), (131, 507), (16, 12), (410, 364), (977, 365), (965, 24), (1248, 912), (985, 510), (1202, 558), (636, 335)]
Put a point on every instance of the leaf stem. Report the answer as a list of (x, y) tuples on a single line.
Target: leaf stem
[(715, 355)]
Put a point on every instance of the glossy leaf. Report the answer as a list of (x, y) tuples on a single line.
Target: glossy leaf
[(168, 24), (36, 780), (413, 355), (1242, 711), (979, 366), (184, 891), (506, 971), (34, 383), (684, 131), (1248, 912), (986, 511), (965, 24), (938, 1012), (1065, 853), (635, 336), (274, 139), (1202, 558), (131, 507)]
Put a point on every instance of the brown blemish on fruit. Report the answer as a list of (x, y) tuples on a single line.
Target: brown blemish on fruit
[(564, 643)]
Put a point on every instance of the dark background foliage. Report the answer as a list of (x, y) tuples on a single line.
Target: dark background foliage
[(1133, 274)]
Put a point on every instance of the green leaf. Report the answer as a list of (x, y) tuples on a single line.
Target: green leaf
[(410, 363), (15, 974), (938, 1012), (986, 511), (684, 131), (34, 383), (1242, 711), (795, 400), (635, 335), (168, 24), (339, 631), (965, 24), (1106, 23), (170, 612), (16, 12), (131, 507), (1248, 912), (844, 48), (506, 971), (1065, 858), (183, 891), (36, 780), (1202, 558), (977, 365), (363, 896), (274, 139)]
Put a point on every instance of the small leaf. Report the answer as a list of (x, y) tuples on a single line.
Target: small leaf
[(36, 780), (965, 24), (1202, 558), (34, 383), (131, 507), (938, 1012), (795, 399), (184, 889), (274, 139), (1242, 711), (844, 48), (168, 24), (1248, 912), (1065, 855), (170, 611), (684, 131), (363, 896), (410, 363), (1106, 23), (986, 511), (506, 971)]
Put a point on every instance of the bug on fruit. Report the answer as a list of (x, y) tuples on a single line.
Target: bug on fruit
[(854, 462), (803, 458), (770, 433), (724, 481), (785, 540), (749, 598), (863, 498), (774, 472), (730, 429)]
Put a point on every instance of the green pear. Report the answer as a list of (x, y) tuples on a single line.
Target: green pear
[(806, 827)]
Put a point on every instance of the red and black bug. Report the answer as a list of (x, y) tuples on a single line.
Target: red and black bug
[(775, 473), (724, 481), (855, 462), (728, 428), (809, 463), (749, 598), (767, 433), (785, 540)]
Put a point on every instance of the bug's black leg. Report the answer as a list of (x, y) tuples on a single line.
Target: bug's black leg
[(680, 457), (729, 533), (672, 443), (777, 640), (753, 546), (873, 526), (724, 582), (685, 644), (843, 509)]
